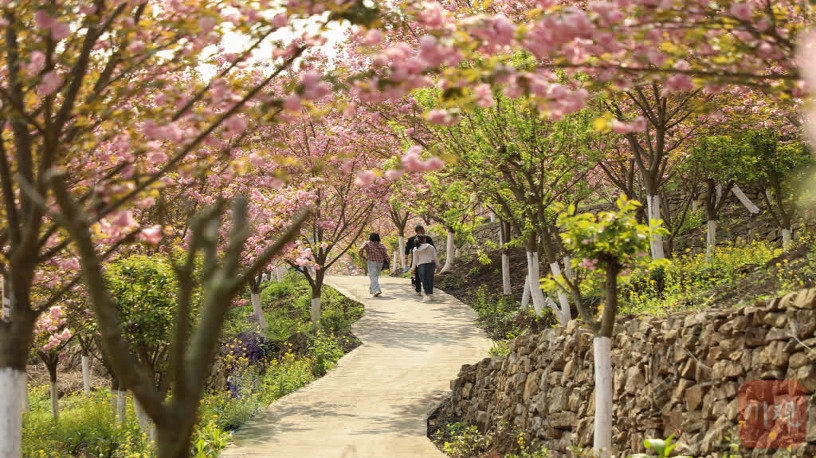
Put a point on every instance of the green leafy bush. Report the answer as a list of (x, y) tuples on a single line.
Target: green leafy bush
[(325, 351), (460, 440), (85, 428), (689, 281)]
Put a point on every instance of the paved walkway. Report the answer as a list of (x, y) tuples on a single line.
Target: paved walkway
[(376, 401)]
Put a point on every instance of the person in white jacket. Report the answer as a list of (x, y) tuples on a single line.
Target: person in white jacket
[(424, 263)]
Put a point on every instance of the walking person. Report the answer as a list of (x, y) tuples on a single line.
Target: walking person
[(409, 249), (424, 264), (375, 254)]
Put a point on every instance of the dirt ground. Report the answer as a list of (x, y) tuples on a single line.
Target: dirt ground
[(468, 275)]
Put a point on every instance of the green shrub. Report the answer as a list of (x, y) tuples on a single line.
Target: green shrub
[(277, 289), (690, 281), (285, 376), (209, 440), (85, 428), (325, 352), (460, 440)]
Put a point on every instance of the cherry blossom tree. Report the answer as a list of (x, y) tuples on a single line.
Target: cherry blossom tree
[(656, 124), (52, 335), (603, 245), (538, 163), (332, 166)]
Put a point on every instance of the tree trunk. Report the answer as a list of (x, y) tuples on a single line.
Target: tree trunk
[(52, 384), (507, 286), (12, 387), (602, 355), (86, 373), (280, 272), (450, 248), (525, 295), (114, 396), (786, 237), (711, 238), (121, 406), (174, 441), (401, 254), (317, 289), (563, 312), (146, 425), (603, 362), (255, 298), (534, 278), (51, 360), (504, 238), (656, 242), (753, 209)]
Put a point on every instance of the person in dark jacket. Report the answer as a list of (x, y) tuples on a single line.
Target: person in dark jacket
[(409, 249)]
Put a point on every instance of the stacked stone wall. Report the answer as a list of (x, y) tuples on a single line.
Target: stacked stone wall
[(679, 374)]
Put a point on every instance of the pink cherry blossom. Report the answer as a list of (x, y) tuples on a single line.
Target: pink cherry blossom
[(151, 235), (364, 178), (679, 83), (393, 174), (123, 219), (36, 63), (49, 83), (742, 11)]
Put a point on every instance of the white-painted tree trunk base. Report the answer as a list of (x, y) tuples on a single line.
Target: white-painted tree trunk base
[(744, 200), (121, 407), (718, 189), (562, 312), (54, 399), (146, 425), (525, 295), (12, 387), (450, 249), (86, 374), (602, 440), (401, 244), (280, 272), (255, 298), (787, 237), (570, 273), (711, 238), (507, 286), (315, 310), (26, 400), (656, 243), (534, 282)]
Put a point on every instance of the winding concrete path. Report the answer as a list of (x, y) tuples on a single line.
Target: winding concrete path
[(376, 401)]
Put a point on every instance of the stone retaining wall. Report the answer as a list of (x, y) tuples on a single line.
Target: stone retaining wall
[(678, 374)]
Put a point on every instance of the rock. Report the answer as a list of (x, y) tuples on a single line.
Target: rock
[(531, 386), (689, 369), (773, 355), (558, 400), (561, 420), (807, 376), (775, 320), (693, 397), (635, 380), (800, 359)]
